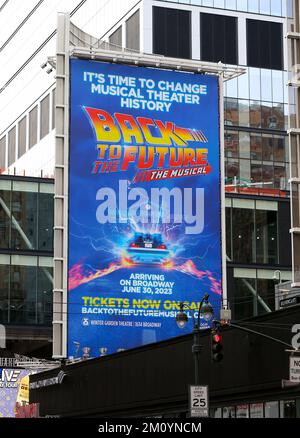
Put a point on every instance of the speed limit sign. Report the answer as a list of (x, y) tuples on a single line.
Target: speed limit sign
[(199, 401)]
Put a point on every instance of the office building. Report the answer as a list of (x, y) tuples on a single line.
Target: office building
[(236, 32)]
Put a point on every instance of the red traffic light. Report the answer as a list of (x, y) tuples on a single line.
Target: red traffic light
[(216, 346), (217, 338)]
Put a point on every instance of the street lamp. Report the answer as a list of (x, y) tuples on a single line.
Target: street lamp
[(206, 311)]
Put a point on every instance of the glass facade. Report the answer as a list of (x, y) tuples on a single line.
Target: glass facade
[(171, 32), (252, 231), (277, 8), (252, 293), (256, 120), (26, 216), (26, 285), (26, 250), (256, 103), (265, 409)]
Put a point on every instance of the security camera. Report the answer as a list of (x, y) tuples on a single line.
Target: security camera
[(44, 65), (277, 276), (49, 70)]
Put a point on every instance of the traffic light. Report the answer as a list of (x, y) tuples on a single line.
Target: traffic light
[(216, 346)]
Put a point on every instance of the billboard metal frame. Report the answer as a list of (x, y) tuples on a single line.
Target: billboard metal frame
[(65, 50), (293, 41)]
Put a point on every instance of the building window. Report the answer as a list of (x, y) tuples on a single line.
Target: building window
[(255, 157), (24, 212), (11, 146), (45, 222), (133, 32), (44, 121), (116, 38), (4, 219), (26, 284), (257, 410), (4, 293), (22, 137), (44, 295), (172, 32), (23, 294), (229, 412), (2, 153), (288, 409), (242, 411), (265, 44), (33, 119), (243, 229), (219, 38), (272, 409), (252, 231), (266, 236)]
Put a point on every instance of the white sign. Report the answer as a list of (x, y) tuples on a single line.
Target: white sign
[(295, 368), (199, 401)]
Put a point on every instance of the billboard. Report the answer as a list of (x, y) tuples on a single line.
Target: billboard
[(14, 390), (144, 204)]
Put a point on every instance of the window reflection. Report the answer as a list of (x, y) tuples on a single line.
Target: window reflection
[(278, 116), (245, 171), (231, 112), (267, 147), (256, 173), (255, 114), (267, 175), (266, 85), (267, 119), (232, 169), (279, 177), (256, 146), (231, 144), (244, 113), (244, 146), (279, 148)]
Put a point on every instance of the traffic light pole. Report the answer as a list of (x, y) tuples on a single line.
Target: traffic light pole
[(196, 350)]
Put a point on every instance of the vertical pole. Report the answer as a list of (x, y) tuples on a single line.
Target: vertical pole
[(196, 350), (60, 290), (222, 188)]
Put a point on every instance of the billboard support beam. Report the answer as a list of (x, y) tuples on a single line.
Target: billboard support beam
[(158, 61), (61, 188), (293, 43)]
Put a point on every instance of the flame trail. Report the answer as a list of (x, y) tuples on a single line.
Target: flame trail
[(79, 274)]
